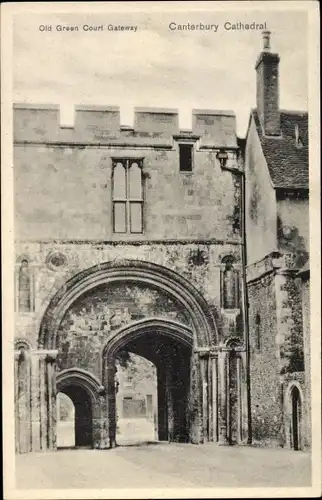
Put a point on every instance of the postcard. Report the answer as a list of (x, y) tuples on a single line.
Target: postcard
[(160, 224)]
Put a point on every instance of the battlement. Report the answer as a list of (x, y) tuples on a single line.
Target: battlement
[(40, 123)]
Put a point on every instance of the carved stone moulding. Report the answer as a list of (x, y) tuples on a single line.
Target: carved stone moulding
[(56, 261)]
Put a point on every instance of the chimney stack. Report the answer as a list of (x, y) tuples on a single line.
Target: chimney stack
[(268, 88)]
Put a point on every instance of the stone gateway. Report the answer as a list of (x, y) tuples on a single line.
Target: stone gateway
[(133, 240)]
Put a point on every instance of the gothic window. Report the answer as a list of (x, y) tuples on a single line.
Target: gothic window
[(229, 285), (127, 197), (258, 332), (24, 287)]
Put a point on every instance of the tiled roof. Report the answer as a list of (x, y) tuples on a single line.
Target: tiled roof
[(287, 163)]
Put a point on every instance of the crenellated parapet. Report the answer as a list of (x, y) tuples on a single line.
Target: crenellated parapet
[(215, 127), (100, 125)]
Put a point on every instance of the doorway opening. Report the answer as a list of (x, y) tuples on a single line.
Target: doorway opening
[(296, 418), (136, 401), (65, 421), (166, 401), (74, 418)]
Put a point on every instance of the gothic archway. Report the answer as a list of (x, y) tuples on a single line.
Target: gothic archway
[(191, 300), (295, 416), (168, 344), (187, 340), (84, 390)]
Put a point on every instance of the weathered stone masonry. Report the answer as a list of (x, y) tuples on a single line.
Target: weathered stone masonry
[(134, 238), (277, 236), (173, 293)]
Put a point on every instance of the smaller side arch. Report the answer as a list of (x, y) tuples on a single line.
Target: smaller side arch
[(294, 412), (22, 346), (22, 392), (290, 387), (83, 378), (234, 343), (86, 392), (23, 257)]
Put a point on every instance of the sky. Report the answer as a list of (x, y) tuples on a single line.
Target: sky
[(155, 66)]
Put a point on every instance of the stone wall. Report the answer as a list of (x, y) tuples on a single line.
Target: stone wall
[(200, 264), (266, 395), (260, 203), (92, 319), (306, 314), (293, 223), (277, 353), (63, 185), (66, 193), (191, 226)]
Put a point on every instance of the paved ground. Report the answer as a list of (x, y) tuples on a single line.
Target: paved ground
[(162, 465), (130, 431)]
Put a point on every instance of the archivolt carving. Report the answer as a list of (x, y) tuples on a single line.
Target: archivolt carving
[(82, 378), (139, 272)]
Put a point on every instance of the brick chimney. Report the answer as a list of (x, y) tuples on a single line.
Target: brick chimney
[(268, 88)]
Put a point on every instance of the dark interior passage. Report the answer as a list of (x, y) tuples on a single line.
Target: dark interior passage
[(82, 414), (172, 360), (136, 401), (296, 414)]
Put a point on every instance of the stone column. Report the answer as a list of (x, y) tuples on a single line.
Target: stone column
[(110, 401), (284, 323), (169, 399), (35, 404), (209, 400), (103, 441), (162, 420), (23, 402), (203, 360), (44, 399), (214, 395), (222, 397), (244, 432), (17, 416), (52, 400), (195, 400)]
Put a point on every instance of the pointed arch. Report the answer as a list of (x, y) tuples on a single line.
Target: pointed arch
[(172, 329), (156, 276), (81, 378)]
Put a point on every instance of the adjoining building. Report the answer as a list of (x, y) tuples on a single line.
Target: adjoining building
[(277, 228)]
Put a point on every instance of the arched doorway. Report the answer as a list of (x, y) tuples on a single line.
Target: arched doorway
[(65, 421), (83, 414), (84, 390), (136, 401), (151, 311), (295, 418), (168, 345)]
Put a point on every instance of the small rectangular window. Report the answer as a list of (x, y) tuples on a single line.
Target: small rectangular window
[(127, 196), (258, 332), (185, 154)]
